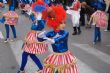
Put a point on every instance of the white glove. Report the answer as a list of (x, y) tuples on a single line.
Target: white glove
[(29, 12), (42, 34), (51, 41), (67, 7), (39, 16)]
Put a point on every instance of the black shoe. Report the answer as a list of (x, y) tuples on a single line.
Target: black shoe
[(74, 33), (79, 32), (6, 40)]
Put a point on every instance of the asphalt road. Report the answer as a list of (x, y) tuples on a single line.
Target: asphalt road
[(91, 58)]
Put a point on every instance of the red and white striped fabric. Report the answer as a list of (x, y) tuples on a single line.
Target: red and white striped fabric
[(11, 18), (101, 19), (63, 62), (11, 14), (33, 46)]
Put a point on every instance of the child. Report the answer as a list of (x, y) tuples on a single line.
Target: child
[(99, 19), (10, 19), (31, 45), (61, 60), (74, 11)]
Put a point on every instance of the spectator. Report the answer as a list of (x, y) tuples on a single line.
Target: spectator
[(85, 9)]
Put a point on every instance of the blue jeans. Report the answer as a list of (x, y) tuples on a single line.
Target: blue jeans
[(33, 57), (97, 34), (8, 30)]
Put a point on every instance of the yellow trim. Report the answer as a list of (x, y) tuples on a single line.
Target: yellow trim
[(34, 42), (60, 68), (33, 31), (67, 52)]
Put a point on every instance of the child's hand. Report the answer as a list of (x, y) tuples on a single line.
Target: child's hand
[(42, 34), (50, 40), (67, 7)]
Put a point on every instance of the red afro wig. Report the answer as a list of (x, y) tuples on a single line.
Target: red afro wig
[(55, 15)]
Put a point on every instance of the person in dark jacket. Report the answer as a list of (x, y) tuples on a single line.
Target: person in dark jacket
[(89, 7), (108, 28), (85, 9)]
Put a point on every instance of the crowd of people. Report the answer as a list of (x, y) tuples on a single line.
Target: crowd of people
[(53, 14)]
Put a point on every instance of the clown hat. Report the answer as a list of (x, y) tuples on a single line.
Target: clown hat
[(39, 6)]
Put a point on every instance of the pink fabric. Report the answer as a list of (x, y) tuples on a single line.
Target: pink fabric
[(60, 60), (34, 48), (101, 19), (11, 18), (11, 21)]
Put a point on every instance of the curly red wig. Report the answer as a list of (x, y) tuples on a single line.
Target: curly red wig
[(55, 15)]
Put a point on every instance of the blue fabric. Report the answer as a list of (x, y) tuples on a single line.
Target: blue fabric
[(2, 20), (14, 3), (56, 71), (7, 30), (25, 1), (11, 8), (39, 8), (98, 4), (40, 25), (1, 1), (33, 57), (47, 1), (32, 17), (60, 44), (97, 34)]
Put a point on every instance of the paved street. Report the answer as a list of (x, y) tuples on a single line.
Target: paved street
[(91, 58)]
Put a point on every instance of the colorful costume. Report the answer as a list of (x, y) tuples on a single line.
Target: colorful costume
[(99, 19), (10, 19), (61, 60), (31, 45), (74, 11)]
